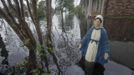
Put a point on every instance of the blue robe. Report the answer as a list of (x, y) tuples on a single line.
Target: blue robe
[(102, 48)]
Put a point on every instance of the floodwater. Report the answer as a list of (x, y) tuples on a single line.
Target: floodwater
[(68, 55)]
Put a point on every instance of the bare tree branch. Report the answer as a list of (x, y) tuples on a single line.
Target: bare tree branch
[(5, 16), (22, 9), (30, 12), (10, 4), (8, 12)]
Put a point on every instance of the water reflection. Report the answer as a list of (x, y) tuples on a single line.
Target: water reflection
[(71, 27)]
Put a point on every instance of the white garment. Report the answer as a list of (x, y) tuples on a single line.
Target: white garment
[(93, 46)]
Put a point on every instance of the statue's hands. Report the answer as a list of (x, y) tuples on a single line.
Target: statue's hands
[(106, 56), (79, 46)]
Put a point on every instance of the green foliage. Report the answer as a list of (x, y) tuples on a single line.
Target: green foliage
[(67, 4), (25, 42), (41, 10), (22, 66), (79, 11), (41, 51), (46, 74), (37, 71), (50, 49), (81, 14)]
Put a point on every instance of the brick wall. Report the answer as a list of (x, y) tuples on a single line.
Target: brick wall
[(120, 27), (120, 7)]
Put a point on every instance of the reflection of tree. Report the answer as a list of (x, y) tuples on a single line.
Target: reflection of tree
[(69, 23), (64, 6)]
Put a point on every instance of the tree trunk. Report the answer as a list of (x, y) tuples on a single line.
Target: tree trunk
[(32, 64)]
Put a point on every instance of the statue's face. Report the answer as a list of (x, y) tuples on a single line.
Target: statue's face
[(97, 23)]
